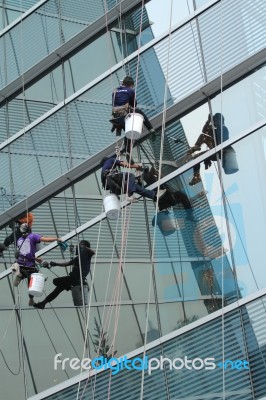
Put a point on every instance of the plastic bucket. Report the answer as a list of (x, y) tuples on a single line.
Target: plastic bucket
[(230, 164), (111, 205), (36, 284), (166, 223), (133, 125), (77, 295)]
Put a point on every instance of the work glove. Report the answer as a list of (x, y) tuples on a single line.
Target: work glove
[(45, 264), (52, 264)]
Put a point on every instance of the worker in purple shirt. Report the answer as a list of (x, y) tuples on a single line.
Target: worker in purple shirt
[(25, 255)]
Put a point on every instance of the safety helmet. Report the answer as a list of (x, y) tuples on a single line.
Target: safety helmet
[(24, 228), (28, 218)]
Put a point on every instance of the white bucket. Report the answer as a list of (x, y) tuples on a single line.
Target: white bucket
[(166, 223), (111, 205), (133, 125), (36, 284), (230, 164), (77, 295)]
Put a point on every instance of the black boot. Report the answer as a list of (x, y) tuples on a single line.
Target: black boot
[(40, 305)]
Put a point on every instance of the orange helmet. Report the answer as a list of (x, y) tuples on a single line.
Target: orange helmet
[(27, 219)]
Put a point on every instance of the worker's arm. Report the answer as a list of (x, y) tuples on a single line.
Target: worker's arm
[(50, 239), (62, 264), (126, 165)]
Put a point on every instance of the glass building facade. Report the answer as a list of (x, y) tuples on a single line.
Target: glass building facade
[(183, 281)]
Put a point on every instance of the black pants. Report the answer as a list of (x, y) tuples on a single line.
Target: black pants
[(62, 283), (115, 183), (207, 162)]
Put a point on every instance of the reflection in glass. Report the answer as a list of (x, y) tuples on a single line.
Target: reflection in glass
[(226, 222), (161, 17)]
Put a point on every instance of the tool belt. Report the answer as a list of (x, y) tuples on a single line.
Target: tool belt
[(120, 111), (27, 271)]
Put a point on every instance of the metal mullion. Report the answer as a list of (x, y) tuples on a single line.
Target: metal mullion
[(66, 49), (58, 55), (90, 165), (157, 342), (21, 18)]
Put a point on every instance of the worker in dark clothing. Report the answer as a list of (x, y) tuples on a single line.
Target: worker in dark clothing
[(125, 95), (73, 279), (124, 102), (28, 218), (207, 137), (172, 196), (117, 182)]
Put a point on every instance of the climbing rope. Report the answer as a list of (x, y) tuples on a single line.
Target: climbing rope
[(159, 179), (127, 218), (118, 286), (19, 357), (23, 356)]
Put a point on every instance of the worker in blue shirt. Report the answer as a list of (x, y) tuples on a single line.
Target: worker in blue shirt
[(116, 181), (124, 96)]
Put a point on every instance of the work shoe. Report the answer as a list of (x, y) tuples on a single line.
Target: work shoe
[(132, 199), (17, 280), (40, 305), (31, 302), (196, 179), (193, 148)]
